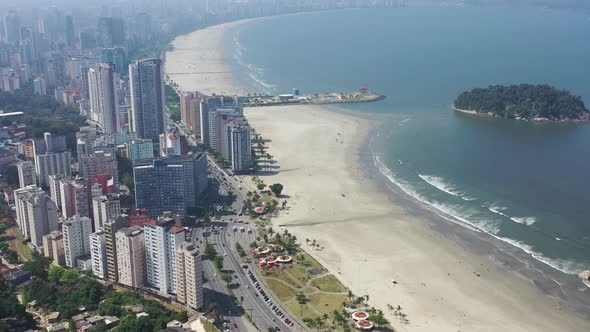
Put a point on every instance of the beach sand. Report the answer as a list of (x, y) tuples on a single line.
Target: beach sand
[(369, 238)]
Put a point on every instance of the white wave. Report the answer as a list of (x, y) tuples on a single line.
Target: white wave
[(563, 265), (452, 214), (558, 239), (469, 198), (449, 213), (498, 210), (401, 123), (440, 184), (524, 220)]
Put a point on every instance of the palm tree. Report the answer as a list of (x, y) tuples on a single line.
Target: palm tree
[(319, 323), (270, 231), (301, 299), (350, 295), (325, 318), (313, 244), (307, 241)]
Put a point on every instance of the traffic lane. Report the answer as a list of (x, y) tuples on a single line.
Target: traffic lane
[(263, 309), (267, 309), (225, 302)]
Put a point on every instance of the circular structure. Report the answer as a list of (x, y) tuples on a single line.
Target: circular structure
[(263, 250), (284, 259), (364, 324), (359, 315)]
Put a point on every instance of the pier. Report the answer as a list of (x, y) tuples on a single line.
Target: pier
[(361, 96)]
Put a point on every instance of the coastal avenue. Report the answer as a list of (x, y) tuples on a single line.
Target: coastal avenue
[(224, 239)]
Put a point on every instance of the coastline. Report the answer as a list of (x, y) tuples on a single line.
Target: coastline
[(490, 115), (374, 235)]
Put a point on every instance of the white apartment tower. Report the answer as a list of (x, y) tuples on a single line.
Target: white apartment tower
[(162, 239), (76, 231), (240, 147), (52, 164), (26, 173), (104, 96), (75, 197), (98, 254), (105, 207), (189, 276), (131, 256), (147, 118), (36, 214)]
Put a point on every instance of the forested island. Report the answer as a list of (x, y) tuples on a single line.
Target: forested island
[(523, 102)]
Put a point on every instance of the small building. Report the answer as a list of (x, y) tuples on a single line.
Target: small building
[(53, 317), (59, 327)]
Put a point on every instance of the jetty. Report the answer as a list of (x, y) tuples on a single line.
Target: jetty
[(295, 98)]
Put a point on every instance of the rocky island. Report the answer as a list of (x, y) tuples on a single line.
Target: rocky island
[(523, 102)]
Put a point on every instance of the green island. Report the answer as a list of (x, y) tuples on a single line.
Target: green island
[(523, 102)]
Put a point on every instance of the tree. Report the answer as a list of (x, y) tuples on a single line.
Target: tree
[(226, 277), (38, 266), (260, 186), (218, 261), (276, 189), (302, 300), (210, 251)]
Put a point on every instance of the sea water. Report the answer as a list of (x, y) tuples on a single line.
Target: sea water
[(524, 183)]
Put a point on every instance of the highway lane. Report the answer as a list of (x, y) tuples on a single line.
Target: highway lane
[(228, 238)]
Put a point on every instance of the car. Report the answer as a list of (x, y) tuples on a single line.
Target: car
[(215, 274), (224, 254)]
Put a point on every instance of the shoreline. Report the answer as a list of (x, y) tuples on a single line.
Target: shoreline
[(539, 120), (384, 233)]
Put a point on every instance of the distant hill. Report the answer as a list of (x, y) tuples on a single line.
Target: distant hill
[(524, 101)]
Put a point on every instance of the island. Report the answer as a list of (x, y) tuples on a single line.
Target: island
[(523, 102)]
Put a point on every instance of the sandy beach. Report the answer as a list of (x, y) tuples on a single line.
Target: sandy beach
[(368, 237)]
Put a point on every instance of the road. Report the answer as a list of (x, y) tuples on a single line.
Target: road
[(224, 239)]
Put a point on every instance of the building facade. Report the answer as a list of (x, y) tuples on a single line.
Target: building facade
[(105, 207), (189, 276), (146, 82), (36, 214), (131, 256), (98, 254), (26, 173), (76, 232), (162, 240), (104, 96)]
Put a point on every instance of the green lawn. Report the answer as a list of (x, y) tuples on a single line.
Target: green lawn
[(326, 303), (282, 291), (330, 284)]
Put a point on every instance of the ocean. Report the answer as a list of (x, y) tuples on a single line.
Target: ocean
[(526, 184)]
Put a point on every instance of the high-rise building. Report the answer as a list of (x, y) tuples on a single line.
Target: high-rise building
[(76, 231), (98, 254), (70, 34), (156, 180), (40, 86), (105, 207), (110, 228), (50, 143), (240, 147), (53, 247), (87, 39), (104, 96), (74, 194), (36, 214), (116, 56), (189, 276), (111, 32), (12, 27), (147, 117), (160, 187), (170, 144), (162, 239), (26, 173), (100, 168), (131, 256), (140, 149), (52, 164), (209, 124), (190, 112), (85, 139)]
